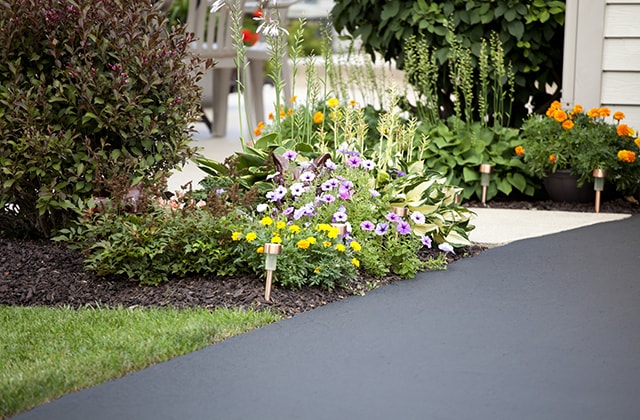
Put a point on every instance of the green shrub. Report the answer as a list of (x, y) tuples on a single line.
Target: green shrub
[(88, 91), (531, 31), (174, 238)]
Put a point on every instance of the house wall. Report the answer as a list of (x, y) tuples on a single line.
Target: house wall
[(602, 56)]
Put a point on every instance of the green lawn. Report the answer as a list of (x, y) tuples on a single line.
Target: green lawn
[(48, 352)]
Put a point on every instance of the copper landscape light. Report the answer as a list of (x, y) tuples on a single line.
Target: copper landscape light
[(598, 185), (271, 252), (485, 179)]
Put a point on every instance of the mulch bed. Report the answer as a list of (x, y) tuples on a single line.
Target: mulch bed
[(36, 273)]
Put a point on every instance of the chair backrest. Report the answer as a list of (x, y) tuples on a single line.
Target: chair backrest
[(211, 28)]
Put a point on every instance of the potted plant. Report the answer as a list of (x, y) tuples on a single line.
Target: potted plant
[(574, 143)]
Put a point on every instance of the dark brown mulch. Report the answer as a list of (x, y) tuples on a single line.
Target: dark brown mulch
[(45, 273), (36, 273)]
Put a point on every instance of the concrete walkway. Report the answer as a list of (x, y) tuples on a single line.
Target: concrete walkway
[(542, 328)]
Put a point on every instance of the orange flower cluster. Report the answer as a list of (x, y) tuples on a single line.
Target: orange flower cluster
[(626, 156), (519, 150), (599, 112), (259, 128), (625, 130), (553, 159), (318, 117)]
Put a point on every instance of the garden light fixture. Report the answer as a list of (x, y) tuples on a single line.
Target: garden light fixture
[(271, 252), (485, 179), (598, 185), (400, 211)]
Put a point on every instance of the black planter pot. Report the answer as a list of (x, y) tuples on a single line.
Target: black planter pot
[(563, 186)]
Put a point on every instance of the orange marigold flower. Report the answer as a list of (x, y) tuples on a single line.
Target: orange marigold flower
[(352, 103), (560, 115), (604, 112), (293, 99), (594, 113), (637, 142), (260, 250), (290, 111), (618, 116), (578, 109), (567, 124), (626, 156), (271, 116), (625, 130), (282, 113), (318, 117), (257, 132), (555, 105), (550, 112), (519, 150), (552, 159)]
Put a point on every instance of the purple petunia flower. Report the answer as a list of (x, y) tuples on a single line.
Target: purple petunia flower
[(368, 164), (354, 161), (277, 194), (346, 185), (403, 228), (446, 248), (381, 228), (288, 211), (329, 184), (290, 155), (327, 198), (340, 216), (307, 176), (426, 241), (367, 225), (329, 164), (297, 189), (374, 193), (392, 217), (417, 217)]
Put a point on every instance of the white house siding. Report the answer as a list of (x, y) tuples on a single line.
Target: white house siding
[(602, 56)]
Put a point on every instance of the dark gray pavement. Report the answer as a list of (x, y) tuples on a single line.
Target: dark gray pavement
[(543, 328)]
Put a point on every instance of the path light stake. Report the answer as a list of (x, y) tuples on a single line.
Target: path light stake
[(485, 179), (598, 185), (342, 228), (271, 252)]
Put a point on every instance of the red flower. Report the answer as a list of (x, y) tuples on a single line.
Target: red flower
[(249, 38)]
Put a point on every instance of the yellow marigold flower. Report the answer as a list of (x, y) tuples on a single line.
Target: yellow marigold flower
[(625, 130), (341, 247), (236, 236), (266, 221), (637, 142), (251, 236), (567, 124), (318, 117), (604, 111), (276, 240), (312, 240), (593, 113), (290, 111), (552, 159), (560, 115), (282, 113), (355, 246), (303, 244), (578, 109), (353, 103), (323, 227), (280, 224), (333, 102), (355, 262), (317, 270), (326, 244), (519, 150), (626, 156), (260, 250), (293, 99), (618, 116), (333, 232), (294, 228)]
